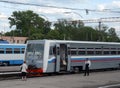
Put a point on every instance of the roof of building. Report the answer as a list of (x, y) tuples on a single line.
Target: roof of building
[(3, 41)]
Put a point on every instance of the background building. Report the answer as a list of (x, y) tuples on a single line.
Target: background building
[(17, 40)]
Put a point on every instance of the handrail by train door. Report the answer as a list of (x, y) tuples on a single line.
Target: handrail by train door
[(68, 57), (57, 67)]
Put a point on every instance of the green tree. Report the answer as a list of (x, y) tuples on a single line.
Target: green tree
[(112, 36), (53, 34), (107, 35), (102, 32), (85, 33), (28, 22), (67, 28)]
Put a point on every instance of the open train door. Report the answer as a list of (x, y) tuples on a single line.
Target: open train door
[(62, 57)]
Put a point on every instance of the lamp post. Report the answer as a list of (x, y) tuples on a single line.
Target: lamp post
[(44, 17), (74, 13)]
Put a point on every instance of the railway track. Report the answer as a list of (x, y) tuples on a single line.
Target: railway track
[(9, 68), (9, 72), (9, 75)]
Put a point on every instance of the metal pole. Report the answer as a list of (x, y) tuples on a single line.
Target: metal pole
[(99, 25)]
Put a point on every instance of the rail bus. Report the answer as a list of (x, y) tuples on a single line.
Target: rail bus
[(48, 56), (11, 54)]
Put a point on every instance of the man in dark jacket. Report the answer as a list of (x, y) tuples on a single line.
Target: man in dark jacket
[(87, 66)]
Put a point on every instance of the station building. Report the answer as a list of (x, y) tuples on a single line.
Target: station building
[(16, 40)]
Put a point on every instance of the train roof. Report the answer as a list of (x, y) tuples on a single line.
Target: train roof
[(11, 44), (3, 41), (71, 41)]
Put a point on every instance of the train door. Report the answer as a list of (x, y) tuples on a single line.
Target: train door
[(62, 57)]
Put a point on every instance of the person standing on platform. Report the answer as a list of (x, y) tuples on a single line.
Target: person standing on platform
[(24, 68), (87, 66)]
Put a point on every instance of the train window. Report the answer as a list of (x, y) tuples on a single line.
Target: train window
[(16, 50), (51, 50), (73, 52), (113, 48), (118, 48), (1, 51), (8, 50), (118, 52), (30, 47), (98, 52), (81, 52), (90, 52), (106, 52), (98, 49), (113, 52), (23, 50), (36, 50), (54, 50)]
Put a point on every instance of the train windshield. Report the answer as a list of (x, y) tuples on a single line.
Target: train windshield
[(34, 54)]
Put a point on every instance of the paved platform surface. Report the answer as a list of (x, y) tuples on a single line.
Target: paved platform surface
[(95, 80)]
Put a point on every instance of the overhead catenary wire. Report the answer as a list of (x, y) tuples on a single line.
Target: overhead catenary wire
[(87, 10), (31, 4), (41, 5), (8, 7)]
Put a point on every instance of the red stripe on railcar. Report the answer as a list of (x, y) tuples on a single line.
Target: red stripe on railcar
[(35, 72)]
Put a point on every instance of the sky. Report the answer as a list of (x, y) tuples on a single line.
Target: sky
[(76, 10)]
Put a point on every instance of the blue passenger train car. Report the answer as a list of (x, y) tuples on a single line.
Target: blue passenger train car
[(11, 54)]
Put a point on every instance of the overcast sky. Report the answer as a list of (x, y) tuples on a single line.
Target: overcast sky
[(52, 14)]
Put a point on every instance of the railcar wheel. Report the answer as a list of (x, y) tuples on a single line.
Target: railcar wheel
[(75, 69)]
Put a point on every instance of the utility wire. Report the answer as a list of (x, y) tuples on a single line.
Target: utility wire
[(87, 10), (11, 2), (8, 7)]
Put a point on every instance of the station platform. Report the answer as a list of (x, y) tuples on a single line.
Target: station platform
[(95, 80)]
